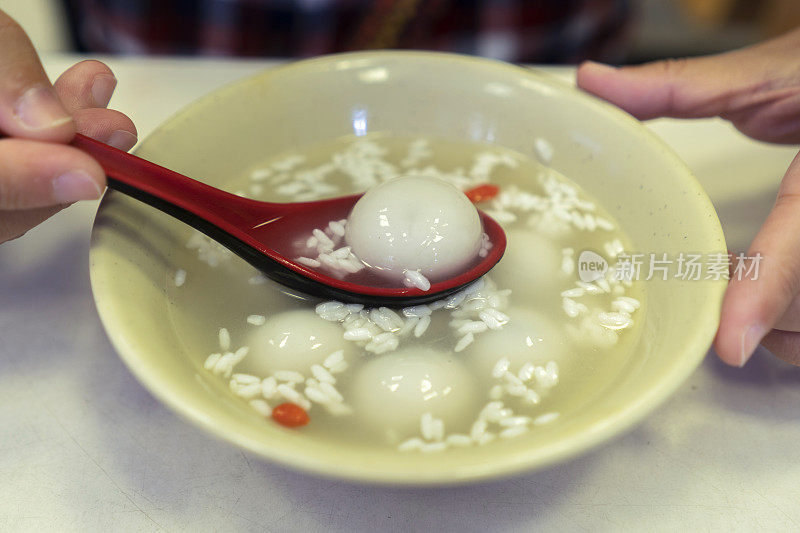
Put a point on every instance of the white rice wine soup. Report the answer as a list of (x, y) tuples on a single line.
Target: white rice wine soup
[(520, 349)]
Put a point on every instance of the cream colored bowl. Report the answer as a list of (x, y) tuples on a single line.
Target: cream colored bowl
[(135, 249)]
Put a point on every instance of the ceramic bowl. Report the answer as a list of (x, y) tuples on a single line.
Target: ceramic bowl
[(656, 200)]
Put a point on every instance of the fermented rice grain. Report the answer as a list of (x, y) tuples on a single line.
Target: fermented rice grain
[(514, 421), (337, 228), (269, 387), (321, 374), (224, 339), (526, 371), (333, 359), (256, 320), (545, 419), (478, 429), (307, 261), (416, 279), (472, 327), (290, 376), (458, 440), (432, 447), (426, 426), (316, 395), (357, 334), (500, 368), (486, 438), (246, 379), (414, 443), (330, 391), (510, 433), (615, 320), (408, 326), (577, 292), (422, 326), (532, 397), (212, 360), (244, 390), (496, 392), (417, 311), (261, 407), (464, 341)]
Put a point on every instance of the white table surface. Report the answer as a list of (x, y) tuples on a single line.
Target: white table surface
[(84, 447)]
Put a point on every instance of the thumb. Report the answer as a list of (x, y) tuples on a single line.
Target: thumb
[(36, 174), (681, 88), (753, 306)]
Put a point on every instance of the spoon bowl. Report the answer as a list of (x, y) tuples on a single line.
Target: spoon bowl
[(255, 230)]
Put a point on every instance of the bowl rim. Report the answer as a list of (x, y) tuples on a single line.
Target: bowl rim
[(614, 424)]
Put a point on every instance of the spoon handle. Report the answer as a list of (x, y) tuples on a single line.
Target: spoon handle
[(180, 196)]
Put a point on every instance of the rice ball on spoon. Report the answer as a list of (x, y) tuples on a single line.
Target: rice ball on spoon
[(415, 223)]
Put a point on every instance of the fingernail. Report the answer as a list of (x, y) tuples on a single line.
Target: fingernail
[(102, 88), (121, 139), (39, 108), (599, 67), (750, 339), (73, 186)]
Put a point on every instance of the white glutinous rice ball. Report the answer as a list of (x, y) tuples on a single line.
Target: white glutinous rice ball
[(292, 340), (391, 392), (415, 223), (531, 264), (529, 336)]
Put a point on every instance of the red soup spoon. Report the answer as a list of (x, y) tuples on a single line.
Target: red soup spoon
[(258, 232)]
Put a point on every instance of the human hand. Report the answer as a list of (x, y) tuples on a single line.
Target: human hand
[(757, 89), (39, 173)]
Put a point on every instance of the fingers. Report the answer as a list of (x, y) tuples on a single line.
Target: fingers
[(752, 307), (683, 88), (784, 344), (755, 88), (36, 174), (108, 126), (86, 85), (29, 107), (86, 89)]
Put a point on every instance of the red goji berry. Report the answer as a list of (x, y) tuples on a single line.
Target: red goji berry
[(290, 415), (482, 193)]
